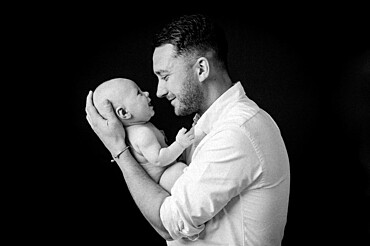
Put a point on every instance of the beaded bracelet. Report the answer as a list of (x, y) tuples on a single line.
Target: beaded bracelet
[(117, 156)]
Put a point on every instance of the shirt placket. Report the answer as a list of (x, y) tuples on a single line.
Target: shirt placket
[(198, 135)]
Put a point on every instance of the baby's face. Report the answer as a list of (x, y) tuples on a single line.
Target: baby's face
[(138, 104)]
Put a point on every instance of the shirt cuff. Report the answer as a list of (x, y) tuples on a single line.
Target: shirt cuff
[(176, 225)]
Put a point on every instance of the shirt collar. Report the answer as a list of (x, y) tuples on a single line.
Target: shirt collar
[(216, 111)]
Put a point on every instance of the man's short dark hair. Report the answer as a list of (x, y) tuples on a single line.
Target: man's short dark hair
[(194, 34)]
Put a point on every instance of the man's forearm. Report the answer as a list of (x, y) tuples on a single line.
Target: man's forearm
[(147, 194)]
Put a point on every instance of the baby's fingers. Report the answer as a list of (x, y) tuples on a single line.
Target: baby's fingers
[(182, 131), (190, 132)]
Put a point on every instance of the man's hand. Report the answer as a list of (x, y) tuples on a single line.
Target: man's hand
[(109, 130), (185, 139)]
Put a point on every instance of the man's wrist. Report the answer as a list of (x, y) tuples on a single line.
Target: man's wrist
[(116, 156)]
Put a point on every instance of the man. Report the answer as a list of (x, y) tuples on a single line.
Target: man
[(235, 190)]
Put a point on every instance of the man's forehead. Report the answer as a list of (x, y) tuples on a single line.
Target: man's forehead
[(163, 58)]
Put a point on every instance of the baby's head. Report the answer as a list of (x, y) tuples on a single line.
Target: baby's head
[(131, 105)]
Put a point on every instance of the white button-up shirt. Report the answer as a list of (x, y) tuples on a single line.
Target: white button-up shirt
[(235, 190)]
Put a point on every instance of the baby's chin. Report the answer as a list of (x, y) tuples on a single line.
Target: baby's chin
[(150, 116), (152, 112)]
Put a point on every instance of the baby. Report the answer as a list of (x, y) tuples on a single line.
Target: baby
[(148, 145)]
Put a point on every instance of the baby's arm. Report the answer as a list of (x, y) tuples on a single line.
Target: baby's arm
[(155, 154)]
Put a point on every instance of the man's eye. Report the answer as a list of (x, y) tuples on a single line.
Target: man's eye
[(165, 78)]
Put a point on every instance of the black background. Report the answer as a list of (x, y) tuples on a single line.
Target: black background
[(308, 66)]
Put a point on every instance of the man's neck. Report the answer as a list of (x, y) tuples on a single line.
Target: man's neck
[(214, 89)]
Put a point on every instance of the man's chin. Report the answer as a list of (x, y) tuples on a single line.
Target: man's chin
[(178, 112), (181, 112)]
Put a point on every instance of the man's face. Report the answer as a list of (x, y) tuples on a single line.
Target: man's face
[(176, 81)]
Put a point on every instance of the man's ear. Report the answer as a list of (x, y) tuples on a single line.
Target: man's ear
[(202, 68), (123, 114)]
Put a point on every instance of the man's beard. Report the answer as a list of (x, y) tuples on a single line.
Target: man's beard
[(190, 99)]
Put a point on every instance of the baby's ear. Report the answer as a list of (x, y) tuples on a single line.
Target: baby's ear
[(123, 114)]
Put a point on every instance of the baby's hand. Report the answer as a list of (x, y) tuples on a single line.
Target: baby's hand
[(185, 139)]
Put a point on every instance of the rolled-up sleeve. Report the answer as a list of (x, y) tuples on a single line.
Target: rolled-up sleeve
[(176, 223), (224, 164)]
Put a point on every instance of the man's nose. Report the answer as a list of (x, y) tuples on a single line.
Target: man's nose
[(161, 89)]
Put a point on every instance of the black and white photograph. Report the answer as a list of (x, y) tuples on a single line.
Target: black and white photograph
[(192, 125)]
